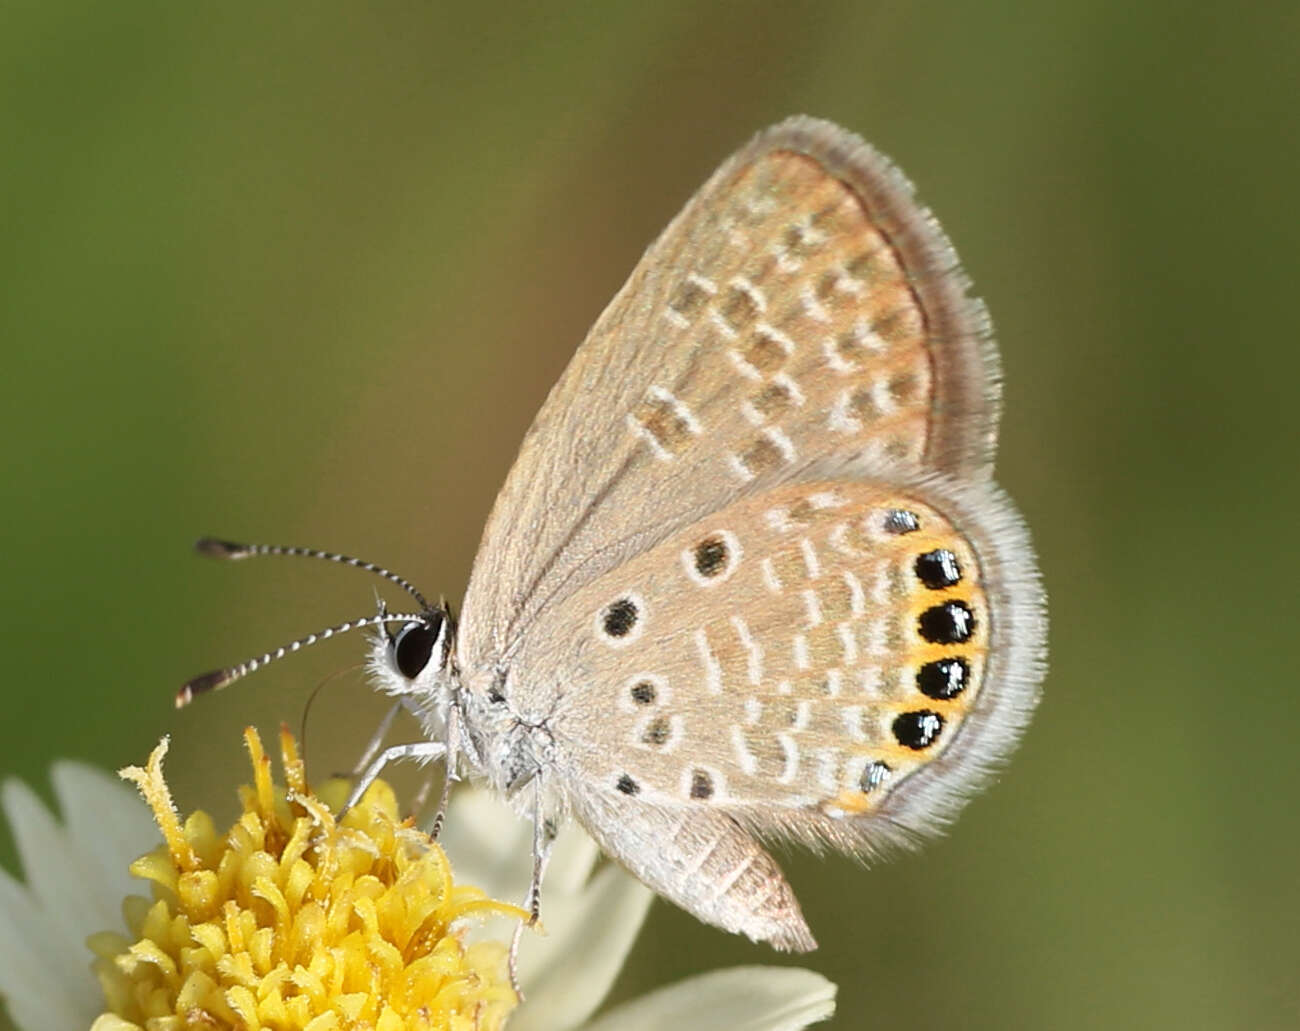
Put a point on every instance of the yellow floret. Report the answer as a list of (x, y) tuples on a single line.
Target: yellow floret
[(294, 921)]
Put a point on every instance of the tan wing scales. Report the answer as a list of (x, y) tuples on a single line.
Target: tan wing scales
[(801, 305), (800, 659)]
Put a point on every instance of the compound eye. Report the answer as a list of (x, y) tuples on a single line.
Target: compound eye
[(414, 645)]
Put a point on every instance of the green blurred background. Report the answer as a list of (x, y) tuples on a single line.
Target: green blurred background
[(304, 275)]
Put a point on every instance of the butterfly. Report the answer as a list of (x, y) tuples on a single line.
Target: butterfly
[(749, 579)]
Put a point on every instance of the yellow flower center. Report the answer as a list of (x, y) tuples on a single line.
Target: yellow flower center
[(294, 920)]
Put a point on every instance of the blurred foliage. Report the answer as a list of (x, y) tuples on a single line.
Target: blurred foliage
[(304, 274)]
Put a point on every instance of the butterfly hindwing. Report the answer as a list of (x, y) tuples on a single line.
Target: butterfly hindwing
[(707, 863), (836, 659)]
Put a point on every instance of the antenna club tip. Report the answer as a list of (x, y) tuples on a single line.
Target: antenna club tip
[(215, 547), (202, 685)]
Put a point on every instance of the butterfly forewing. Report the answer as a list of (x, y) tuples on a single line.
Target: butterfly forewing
[(800, 306)]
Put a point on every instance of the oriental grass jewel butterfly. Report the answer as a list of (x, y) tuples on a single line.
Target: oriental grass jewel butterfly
[(749, 578)]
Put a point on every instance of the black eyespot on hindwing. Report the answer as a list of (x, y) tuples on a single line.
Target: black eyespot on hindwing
[(899, 521), (627, 785), (711, 557), (938, 569), (657, 732), (874, 776), (620, 617), (949, 623), (943, 679), (701, 785), (917, 730)]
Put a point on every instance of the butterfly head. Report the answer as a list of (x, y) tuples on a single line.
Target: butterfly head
[(416, 658)]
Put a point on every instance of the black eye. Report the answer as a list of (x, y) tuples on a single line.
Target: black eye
[(414, 645)]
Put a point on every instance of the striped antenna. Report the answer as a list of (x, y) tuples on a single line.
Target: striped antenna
[(214, 547), (219, 678)]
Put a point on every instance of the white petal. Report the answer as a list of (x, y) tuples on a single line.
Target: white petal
[(566, 974), (491, 846), (572, 860), (44, 962), (590, 922), (56, 879), (34, 980), (111, 1022), (488, 845), (739, 999), (112, 827)]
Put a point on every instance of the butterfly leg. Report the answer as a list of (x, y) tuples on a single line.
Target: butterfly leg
[(544, 834), (449, 776), (421, 750), (377, 739)]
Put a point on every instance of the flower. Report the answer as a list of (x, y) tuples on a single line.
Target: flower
[(76, 880), (296, 920)]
